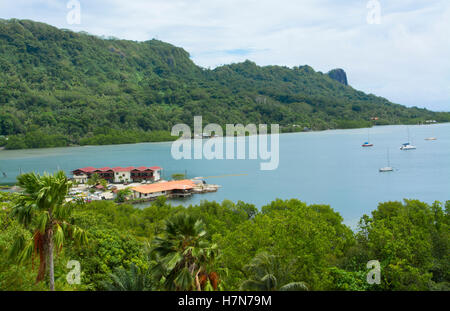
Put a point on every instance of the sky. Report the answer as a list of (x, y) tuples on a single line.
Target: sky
[(396, 49)]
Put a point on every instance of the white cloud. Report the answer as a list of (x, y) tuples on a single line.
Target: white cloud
[(405, 58)]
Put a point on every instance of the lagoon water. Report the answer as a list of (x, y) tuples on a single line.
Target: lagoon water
[(328, 167)]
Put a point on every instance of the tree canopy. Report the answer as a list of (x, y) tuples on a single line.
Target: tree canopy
[(287, 244)]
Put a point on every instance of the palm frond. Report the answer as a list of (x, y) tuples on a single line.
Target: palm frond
[(17, 247), (42, 221), (294, 286), (267, 272), (184, 280), (132, 279), (182, 249), (58, 236), (253, 285)]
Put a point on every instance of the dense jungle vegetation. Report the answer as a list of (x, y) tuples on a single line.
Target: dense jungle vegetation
[(287, 245), (60, 88)]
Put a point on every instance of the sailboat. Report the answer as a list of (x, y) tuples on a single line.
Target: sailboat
[(388, 168), (431, 138), (408, 146), (367, 143)]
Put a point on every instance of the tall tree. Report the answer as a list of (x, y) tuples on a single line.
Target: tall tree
[(411, 241), (184, 256), (42, 209)]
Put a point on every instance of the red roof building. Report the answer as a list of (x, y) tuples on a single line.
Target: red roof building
[(119, 174)]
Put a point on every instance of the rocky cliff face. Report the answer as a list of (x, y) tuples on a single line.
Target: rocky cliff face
[(338, 75)]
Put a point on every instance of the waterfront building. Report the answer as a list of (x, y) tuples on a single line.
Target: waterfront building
[(119, 174), (175, 188)]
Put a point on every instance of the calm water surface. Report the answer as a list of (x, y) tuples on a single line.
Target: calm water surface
[(327, 167)]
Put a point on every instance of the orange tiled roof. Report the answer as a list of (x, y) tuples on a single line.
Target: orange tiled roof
[(165, 186)]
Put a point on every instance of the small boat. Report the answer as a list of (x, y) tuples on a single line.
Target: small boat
[(367, 143), (431, 138), (388, 168), (407, 146)]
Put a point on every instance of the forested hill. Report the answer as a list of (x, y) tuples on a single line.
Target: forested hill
[(58, 88)]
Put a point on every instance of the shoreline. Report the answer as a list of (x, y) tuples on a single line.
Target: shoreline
[(170, 141)]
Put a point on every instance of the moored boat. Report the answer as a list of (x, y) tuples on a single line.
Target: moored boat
[(407, 146), (367, 143), (388, 168)]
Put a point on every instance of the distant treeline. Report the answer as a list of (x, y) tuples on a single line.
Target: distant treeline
[(39, 139)]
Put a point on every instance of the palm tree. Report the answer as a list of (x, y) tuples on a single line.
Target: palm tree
[(184, 256), (94, 179), (269, 274), (132, 279), (42, 208)]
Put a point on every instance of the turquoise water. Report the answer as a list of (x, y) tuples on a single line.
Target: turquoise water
[(327, 167)]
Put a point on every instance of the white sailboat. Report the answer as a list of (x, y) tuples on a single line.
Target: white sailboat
[(431, 138), (388, 168), (367, 143), (408, 146)]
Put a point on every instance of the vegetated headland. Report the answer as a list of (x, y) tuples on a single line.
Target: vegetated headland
[(61, 88)]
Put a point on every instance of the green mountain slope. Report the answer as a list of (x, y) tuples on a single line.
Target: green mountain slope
[(59, 88)]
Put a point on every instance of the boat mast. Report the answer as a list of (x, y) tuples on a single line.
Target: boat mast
[(389, 160)]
